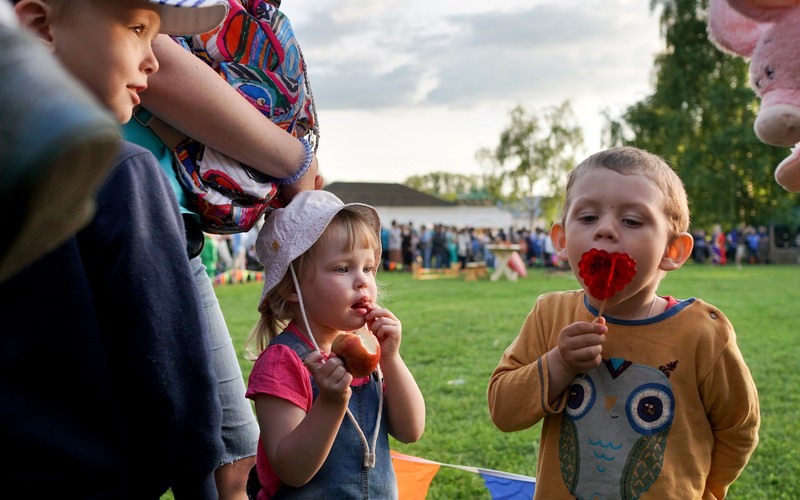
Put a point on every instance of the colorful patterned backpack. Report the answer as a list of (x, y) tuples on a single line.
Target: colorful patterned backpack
[(256, 51)]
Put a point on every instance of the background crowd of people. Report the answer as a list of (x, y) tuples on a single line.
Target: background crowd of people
[(743, 244), (439, 246), (226, 252)]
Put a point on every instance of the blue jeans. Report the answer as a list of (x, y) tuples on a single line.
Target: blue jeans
[(426, 257), (239, 425)]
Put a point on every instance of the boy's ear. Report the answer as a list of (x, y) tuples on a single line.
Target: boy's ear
[(35, 16), (677, 252), (558, 235)]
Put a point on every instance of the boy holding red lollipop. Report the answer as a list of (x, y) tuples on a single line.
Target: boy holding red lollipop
[(639, 393)]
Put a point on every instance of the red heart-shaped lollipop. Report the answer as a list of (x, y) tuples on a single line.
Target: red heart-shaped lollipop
[(604, 274)]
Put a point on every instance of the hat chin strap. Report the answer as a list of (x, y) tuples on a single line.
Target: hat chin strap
[(303, 307), (369, 452)]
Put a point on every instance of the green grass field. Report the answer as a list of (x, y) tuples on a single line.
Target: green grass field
[(454, 333)]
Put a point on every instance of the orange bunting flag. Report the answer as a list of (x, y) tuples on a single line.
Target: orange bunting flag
[(414, 475)]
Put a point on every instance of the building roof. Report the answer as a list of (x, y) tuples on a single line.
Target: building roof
[(384, 195)]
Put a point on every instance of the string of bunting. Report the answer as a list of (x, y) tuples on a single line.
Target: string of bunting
[(414, 476)]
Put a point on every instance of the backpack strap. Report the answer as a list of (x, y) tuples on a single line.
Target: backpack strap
[(168, 134)]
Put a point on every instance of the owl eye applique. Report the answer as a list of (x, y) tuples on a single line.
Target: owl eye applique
[(580, 397), (650, 408)]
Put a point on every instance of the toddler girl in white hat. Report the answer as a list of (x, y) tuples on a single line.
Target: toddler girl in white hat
[(324, 434)]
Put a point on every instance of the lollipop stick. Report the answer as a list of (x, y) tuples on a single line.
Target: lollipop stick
[(608, 290), (600, 312)]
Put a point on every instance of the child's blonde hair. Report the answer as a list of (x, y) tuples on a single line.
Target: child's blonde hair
[(629, 160), (275, 310)]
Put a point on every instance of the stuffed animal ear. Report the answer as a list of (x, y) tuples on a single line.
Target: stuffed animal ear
[(731, 31)]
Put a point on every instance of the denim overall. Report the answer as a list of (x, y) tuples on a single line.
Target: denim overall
[(343, 475)]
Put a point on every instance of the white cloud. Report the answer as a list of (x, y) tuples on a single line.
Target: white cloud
[(410, 87)]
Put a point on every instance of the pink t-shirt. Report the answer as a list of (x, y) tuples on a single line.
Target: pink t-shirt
[(279, 372)]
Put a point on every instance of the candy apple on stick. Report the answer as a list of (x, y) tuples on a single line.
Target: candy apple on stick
[(604, 274)]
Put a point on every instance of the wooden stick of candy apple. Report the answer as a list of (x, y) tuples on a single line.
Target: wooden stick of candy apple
[(604, 274)]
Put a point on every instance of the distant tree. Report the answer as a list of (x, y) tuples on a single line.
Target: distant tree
[(700, 119), (445, 185), (535, 151)]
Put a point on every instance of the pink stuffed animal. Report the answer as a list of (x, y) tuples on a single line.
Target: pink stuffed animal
[(768, 33)]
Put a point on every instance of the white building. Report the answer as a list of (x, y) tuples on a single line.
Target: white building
[(397, 202)]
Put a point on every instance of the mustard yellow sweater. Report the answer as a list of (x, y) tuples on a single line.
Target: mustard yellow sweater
[(672, 412)]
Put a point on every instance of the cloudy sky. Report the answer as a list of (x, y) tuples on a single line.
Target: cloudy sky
[(407, 88)]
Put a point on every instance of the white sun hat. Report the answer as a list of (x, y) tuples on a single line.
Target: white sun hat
[(190, 17), (288, 232)]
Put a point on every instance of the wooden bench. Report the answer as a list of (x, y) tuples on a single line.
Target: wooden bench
[(422, 273), (475, 270)]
